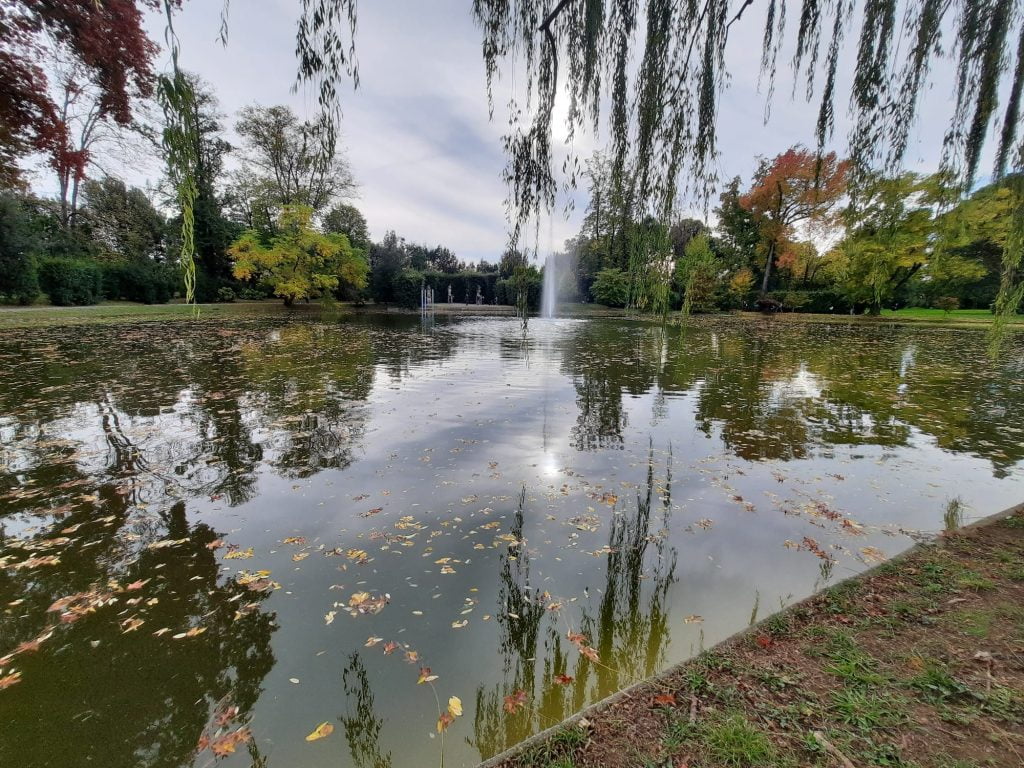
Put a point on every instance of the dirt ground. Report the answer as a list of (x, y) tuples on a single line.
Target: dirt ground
[(919, 663)]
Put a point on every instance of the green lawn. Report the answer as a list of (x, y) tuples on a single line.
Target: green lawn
[(938, 315), (19, 317)]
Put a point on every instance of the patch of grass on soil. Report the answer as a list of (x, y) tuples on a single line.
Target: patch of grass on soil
[(918, 664)]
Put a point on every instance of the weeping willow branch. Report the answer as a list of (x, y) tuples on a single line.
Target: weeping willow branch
[(180, 143)]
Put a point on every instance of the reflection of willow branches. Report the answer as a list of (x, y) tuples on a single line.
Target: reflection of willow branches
[(494, 730), (631, 627), (631, 630), (362, 725)]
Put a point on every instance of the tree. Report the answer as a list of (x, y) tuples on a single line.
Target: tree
[(888, 237), (123, 220), (108, 46), (662, 113), (18, 279), (736, 229), (288, 160), (697, 275), (347, 220), (796, 187), (213, 232), (611, 288), (300, 263), (510, 260)]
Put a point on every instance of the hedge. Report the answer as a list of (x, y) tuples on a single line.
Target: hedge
[(148, 283), (71, 281)]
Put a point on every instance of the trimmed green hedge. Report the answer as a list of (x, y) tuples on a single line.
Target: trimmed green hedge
[(148, 283), (71, 282)]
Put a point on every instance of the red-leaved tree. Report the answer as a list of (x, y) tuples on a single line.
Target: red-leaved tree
[(795, 187), (106, 39)]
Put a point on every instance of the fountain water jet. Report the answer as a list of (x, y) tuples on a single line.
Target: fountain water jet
[(549, 293)]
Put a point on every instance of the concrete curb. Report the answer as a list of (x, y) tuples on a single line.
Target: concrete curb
[(627, 693)]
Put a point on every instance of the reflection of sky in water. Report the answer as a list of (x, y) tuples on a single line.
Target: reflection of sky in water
[(655, 485)]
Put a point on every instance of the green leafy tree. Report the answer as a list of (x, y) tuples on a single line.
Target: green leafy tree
[(697, 275), (888, 237), (299, 263), (123, 220), (18, 278), (611, 288), (344, 219)]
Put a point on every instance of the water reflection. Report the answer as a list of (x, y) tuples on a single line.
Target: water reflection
[(615, 480), (628, 627)]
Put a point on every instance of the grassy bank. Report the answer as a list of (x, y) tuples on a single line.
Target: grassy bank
[(21, 317), (918, 663)]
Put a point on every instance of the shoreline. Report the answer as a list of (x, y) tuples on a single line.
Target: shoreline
[(803, 686)]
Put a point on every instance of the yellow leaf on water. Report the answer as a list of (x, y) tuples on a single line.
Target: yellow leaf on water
[(455, 706), (321, 731)]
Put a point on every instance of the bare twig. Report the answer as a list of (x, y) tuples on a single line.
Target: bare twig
[(832, 749), (693, 710)]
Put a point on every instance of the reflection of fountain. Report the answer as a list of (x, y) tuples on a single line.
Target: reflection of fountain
[(549, 295)]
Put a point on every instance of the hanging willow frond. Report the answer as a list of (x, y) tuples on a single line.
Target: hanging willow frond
[(176, 97), (661, 116)]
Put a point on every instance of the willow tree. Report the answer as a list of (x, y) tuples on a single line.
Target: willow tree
[(661, 115)]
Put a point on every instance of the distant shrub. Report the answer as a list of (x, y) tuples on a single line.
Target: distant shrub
[(822, 302), (611, 288), (71, 282), (145, 282), (947, 303), (251, 293), (225, 294)]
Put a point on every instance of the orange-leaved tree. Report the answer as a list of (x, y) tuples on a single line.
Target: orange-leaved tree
[(797, 187)]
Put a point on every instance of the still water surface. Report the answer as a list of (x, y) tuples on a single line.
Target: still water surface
[(278, 523)]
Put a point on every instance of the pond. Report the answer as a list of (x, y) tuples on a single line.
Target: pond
[(275, 523)]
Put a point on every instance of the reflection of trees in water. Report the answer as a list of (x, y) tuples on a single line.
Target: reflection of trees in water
[(94, 694), (361, 722), (606, 361), (630, 627)]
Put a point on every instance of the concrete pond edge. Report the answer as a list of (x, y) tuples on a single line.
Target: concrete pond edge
[(628, 692)]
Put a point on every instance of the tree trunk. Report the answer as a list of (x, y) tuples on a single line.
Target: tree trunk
[(768, 269), (289, 301)]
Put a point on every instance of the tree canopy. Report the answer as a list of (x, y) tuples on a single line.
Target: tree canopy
[(299, 262)]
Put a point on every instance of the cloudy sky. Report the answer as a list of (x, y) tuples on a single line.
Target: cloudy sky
[(417, 132)]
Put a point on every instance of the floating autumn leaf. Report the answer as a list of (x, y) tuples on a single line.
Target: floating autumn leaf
[(8, 680), (136, 585), (564, 679), (239, 554), (455, 706), (372, 512), (577, 639), (444, 721), (300, 556), (130, 625), (297, 540), (225, 745), (515, 701), (459, 624), (363, 602), (693, 619), (390, 647), (190, 633), (425, 676), (590, 653), (665, 700), (372, 641), (358, 556), (329, 616), (322, 731)]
